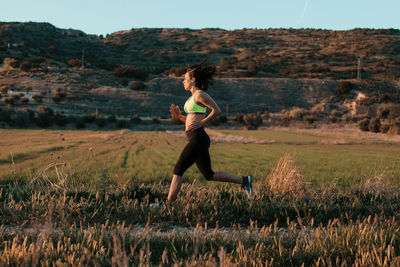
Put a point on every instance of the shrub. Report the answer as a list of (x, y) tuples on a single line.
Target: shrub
[(136, 118), (224, 64), (121, 124), (252, 120), (219, 120), (363, 125), (60, 119), (374, 125), (13, 62), (111, 118), (138, 86), (10, 101), (176, 71), (310, 118), (16, 97), (131, 72), (80, 123), (382, 112), (26, 66), (344, 87), (239, 117), (394, 129), (266, 115), (21, 119), (252, 68), (5, 115), (100, 121), (38, 98), (44, 117), (25, 100), (297, 113), (384, 128), (75, 63), (89, 118)]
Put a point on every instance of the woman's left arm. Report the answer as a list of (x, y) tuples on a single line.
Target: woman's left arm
[(206, 100)]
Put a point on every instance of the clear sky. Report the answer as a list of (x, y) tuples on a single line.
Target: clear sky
[(107, 16)]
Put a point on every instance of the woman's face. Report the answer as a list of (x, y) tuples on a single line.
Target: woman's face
[(188, 82)]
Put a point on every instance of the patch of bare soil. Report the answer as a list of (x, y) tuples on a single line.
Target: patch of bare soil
[(218, 137)]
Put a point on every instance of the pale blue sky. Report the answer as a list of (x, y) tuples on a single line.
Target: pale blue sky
[(107, 16)]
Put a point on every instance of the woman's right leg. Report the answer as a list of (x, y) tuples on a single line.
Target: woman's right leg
[(186, 159), (175, 187)]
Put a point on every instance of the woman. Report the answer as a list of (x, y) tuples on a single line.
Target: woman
[(197, 80)]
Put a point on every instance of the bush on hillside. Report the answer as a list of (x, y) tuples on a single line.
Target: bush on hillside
[(394, 129), (239, 117), (121, 124), (344, 87), (5, 114), (100, 121), (89, 118), (75, 63), (22, 118), (38, 98), (138, 86), (26, 66), (176, 71), (44, 117), (252, 120), (80, 123), (135, 118), (363, 124), (60, 119), (374, 125), (111, 118), (219, 120), (130, 72)]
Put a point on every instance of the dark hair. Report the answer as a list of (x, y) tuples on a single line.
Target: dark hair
[(203, 74)]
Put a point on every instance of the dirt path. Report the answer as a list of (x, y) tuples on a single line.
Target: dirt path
[(218, 137)]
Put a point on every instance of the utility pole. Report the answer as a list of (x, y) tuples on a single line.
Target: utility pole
[(359, 69), (83, 60)]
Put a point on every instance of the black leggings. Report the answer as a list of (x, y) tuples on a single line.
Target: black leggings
[(196, 151)]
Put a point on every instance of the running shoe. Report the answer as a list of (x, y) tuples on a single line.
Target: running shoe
[(156, 205), (246, 185)]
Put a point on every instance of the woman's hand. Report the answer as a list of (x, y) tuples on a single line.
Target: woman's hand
[(195, 125), (175, 112)]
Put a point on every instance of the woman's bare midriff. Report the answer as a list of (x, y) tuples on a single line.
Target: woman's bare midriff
[(190, 118)]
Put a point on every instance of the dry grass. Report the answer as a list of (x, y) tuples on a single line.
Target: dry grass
[(286, 178), (376, 184)]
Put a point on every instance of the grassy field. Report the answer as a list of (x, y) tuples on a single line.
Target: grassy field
[(83, 197), (115, 156)]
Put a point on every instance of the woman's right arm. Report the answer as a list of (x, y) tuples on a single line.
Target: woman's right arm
[(176, 113)]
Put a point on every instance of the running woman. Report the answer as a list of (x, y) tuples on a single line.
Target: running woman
[(197, 79)]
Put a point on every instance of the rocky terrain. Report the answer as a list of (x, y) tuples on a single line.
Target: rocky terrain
[(306, 74)]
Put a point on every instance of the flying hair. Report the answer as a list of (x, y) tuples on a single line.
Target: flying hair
[(203, 74)]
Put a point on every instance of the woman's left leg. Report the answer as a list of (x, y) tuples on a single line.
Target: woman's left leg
[(226, 177), (204, 164)]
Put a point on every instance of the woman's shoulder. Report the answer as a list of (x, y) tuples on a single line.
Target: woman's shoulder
[(201, 94)]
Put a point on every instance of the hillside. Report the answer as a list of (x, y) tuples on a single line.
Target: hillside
[(305, 74), (280, 53)]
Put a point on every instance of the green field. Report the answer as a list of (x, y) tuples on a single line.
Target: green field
[(94, 209), (150, 156)]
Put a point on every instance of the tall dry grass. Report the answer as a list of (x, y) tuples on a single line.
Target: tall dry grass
[(286, 178)]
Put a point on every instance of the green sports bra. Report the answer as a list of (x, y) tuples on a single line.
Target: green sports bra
[(192, 107)]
